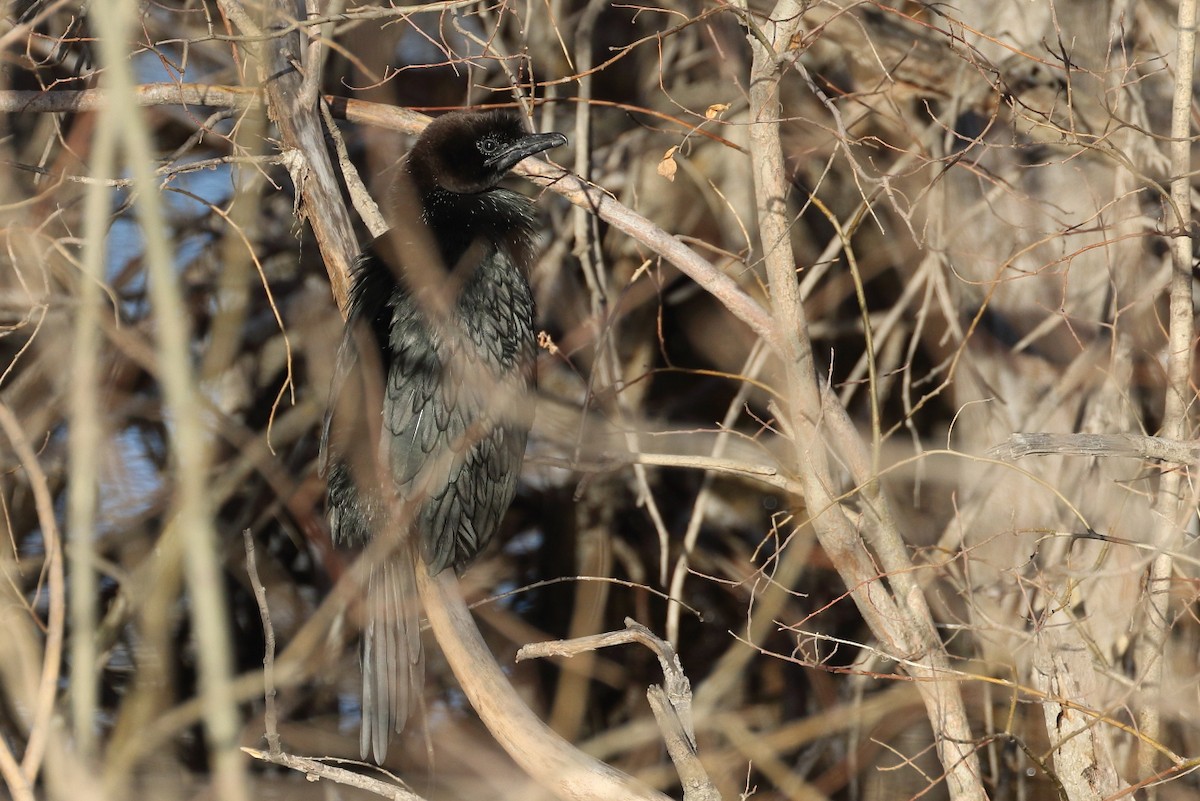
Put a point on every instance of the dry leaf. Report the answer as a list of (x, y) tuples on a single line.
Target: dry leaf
[(715, 110), (667, 167)]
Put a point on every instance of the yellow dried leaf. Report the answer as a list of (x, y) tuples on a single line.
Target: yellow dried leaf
[(715, 110), (667, 167)]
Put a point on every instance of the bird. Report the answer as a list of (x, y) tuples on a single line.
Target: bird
[(429, 405)]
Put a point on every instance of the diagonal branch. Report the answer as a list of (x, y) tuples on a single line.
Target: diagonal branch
[(896, 612), (550, 760)]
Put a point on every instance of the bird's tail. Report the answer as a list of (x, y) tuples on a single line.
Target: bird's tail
[(393, 664)]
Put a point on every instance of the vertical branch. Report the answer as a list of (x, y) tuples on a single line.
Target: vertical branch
[(896, 610), (586, 246), (1178, 392), (189, 448), (271, 712), (594, 511), (85, 432), (317, 186), (751, 368), (237, 255)]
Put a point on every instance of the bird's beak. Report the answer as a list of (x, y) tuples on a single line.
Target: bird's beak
[(524, 147)]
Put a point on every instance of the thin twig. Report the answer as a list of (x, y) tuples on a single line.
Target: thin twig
[(367, 208), (271, 713), (151, 94), (754, 363), (315, 769), (672, 705), (43, 703)]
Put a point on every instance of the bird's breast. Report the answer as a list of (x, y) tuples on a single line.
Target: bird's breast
[(496, 311)]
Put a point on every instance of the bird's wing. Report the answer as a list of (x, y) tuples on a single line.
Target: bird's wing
[(350, 434), (455, 443), (460, 521), (421, 409), (344, 368)]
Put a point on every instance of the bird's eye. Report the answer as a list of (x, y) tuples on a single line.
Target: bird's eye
[(488, 146)]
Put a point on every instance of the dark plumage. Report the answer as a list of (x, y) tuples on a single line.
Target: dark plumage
[(428, 415)]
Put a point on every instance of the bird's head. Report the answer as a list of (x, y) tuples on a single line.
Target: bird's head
[(467, 152)]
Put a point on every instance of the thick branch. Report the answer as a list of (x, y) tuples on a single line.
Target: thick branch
[(551, 761), (1136, 446), (317, 184), (189, 441), (896, 611)]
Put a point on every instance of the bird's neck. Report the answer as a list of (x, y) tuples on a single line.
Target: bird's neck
[(501, 218)]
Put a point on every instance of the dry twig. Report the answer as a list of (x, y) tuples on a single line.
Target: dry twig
[(672, 705)]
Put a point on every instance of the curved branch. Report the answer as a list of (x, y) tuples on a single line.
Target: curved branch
[(550, 760)]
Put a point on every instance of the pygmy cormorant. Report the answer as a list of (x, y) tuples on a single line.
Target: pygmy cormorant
[(428, 414)]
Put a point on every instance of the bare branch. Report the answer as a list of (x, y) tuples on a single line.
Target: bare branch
[(314, 769), (1170, 505), (672, 705), (1137, 446), (547, 758)]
